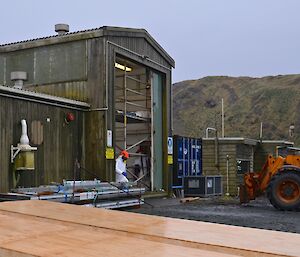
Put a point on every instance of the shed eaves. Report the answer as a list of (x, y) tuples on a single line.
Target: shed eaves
[(84, 34), (30, 95), (234, 140)]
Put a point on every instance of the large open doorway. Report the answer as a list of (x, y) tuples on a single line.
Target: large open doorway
[(138, 123)]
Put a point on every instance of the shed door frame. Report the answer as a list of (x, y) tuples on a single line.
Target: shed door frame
[(112, 50)]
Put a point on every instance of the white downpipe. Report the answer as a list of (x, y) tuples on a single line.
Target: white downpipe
[(223, 125), (24, 140), (209, 129), (227, 175)]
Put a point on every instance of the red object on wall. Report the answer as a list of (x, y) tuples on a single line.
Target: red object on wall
[(70, 117)]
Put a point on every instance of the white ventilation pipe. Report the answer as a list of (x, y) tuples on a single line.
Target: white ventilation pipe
[(61, 28), (24, 140), (18, 77)]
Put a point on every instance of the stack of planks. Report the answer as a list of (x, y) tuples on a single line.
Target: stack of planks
[(42, 228)]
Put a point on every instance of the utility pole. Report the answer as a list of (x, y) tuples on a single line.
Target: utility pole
[(223, 126)]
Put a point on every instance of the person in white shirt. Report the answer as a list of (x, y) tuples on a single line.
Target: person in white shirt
[(121, 175)]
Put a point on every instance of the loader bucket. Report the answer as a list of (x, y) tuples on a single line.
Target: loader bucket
[(244, 198)]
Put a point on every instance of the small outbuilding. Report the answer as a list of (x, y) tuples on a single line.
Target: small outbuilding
[(232, 157), (58, 142), (122, 79)]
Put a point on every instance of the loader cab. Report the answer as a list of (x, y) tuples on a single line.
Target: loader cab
[(284, 151)]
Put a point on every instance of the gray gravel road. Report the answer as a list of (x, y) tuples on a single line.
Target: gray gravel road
[(257, 214)]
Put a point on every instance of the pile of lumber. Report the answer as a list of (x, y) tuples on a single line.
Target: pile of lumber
[(42, 228)]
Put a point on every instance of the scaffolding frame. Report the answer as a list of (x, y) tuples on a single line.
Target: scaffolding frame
[(125, 98)]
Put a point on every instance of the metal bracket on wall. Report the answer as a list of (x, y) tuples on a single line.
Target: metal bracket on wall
[(14, 151)]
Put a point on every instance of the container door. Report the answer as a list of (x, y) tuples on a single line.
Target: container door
[(178, 163), (180, 157), (193, 158), (186, 153), (199, 157)]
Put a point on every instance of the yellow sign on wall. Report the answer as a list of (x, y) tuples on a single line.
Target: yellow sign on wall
[(170, 159), (110, 153)]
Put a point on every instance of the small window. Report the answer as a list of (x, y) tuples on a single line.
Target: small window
[(37, 133), (243, 166)]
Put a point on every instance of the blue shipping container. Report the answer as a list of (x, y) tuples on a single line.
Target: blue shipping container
[(187, 159)]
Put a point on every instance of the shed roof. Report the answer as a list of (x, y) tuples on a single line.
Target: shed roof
[(278, 142), (86, 34), (234, 140), (248, 141), (41, 98)]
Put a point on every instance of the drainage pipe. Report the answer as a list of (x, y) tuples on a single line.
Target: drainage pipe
[(227, 175)]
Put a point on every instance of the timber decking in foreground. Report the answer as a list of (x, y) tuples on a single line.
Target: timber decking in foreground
[(40, 228)]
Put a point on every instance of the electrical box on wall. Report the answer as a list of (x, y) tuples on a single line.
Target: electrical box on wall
[(203, 186), (24, 161)]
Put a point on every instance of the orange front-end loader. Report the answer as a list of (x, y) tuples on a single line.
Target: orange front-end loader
[(279, 178)]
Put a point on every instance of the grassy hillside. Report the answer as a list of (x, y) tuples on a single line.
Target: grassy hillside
[(275, 101)]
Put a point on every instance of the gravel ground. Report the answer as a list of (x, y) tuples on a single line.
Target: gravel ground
[(257, 214)]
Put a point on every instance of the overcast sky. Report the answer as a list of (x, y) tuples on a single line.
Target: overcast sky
[(205, 37)]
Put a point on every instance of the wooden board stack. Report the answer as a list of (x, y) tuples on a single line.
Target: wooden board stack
[(42, 228)]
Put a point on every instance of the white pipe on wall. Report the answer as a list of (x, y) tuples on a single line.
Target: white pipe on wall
[(208, 129), (227, 175), (24, 140)]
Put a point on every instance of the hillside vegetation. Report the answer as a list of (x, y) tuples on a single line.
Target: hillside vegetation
[(275, 101)]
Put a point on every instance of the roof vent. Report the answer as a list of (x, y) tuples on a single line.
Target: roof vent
[(61, 29), (18, 77)]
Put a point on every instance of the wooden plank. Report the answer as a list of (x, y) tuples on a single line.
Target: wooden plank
[(191, 234), (189, 199), (23, 235)]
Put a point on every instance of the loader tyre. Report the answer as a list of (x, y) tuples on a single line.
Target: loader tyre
[(284, 191)]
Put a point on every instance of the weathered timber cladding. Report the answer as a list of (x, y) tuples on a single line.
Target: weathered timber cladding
[(140, 46), (216, 164), (48, 64), (62, 143), (96, 72), (58, 70), (95, 138), (80, 66), (246, 153), (76, 90)]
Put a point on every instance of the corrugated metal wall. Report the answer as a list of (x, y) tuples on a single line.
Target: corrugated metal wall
[(61, 142)]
